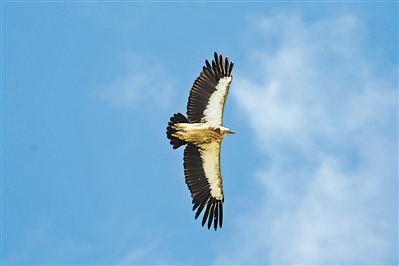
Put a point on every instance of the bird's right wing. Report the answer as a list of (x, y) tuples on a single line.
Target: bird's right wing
[(202, 172)]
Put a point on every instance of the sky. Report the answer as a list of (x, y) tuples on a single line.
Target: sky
[(88, 176)]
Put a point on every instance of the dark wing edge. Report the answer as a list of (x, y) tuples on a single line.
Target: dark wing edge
[(200, 188), (205, 85)]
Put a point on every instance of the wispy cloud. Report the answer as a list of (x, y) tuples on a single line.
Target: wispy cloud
[(144, 82), (329, 123), (153, 253), (141, 255), (44, 245)]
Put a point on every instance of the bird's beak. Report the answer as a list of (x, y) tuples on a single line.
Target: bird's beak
[(232, 132)]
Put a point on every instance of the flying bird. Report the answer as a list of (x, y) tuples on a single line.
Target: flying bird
[(202, 133)]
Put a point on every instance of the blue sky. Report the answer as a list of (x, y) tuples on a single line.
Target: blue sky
[(88, 176)]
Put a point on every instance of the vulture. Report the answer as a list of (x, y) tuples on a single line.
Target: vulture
[(202, 132)]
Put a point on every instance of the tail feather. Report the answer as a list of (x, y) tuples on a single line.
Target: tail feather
[(176, 118)]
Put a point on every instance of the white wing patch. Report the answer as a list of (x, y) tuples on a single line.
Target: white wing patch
[(214, 110), (210, 154)]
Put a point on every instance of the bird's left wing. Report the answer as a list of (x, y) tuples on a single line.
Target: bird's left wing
[(209, 92), (202, 172)]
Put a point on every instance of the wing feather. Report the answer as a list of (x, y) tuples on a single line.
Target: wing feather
[(216, 211), (211, 213), (220, 205), (209, 91), (206, 214), (202, 172)]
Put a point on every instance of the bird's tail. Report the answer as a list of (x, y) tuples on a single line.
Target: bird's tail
[(176, 118)]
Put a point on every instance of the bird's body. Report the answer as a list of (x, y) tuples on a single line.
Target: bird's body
[(202, 133)]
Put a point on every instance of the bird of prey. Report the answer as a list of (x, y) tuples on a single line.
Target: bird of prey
[(202, 133)]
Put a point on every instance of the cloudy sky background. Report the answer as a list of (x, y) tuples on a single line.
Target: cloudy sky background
[(88, 176)]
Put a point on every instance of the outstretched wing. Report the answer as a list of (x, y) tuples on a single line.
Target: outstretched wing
[(202, 172), (209, 92)]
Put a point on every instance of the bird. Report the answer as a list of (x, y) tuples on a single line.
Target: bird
[(202, 132)]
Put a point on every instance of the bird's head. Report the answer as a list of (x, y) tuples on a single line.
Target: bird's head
[(226, 131)]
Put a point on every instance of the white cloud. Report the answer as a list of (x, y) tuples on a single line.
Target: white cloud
[(133, 256), (329, 124), (43, 245), (144, 82), (147, 254)]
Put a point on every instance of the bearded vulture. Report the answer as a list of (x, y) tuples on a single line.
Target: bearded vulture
[(202, 132)]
